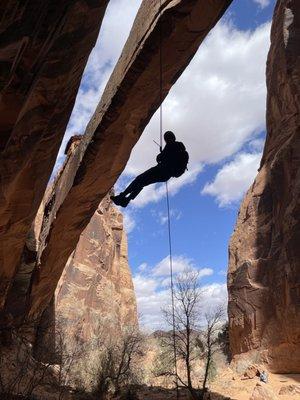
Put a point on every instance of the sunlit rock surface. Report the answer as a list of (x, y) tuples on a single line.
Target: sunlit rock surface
[(95, 292)]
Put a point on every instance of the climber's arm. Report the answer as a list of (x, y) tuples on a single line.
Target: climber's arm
[(166, 154)]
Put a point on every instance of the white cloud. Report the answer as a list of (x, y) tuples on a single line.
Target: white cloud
[(205, 272), (129, 221), (174, 215), (150, 301), (163, 218), (218, 104), (234, 178), (152, 289), (257, 145), (152, 296), (262, 3), (214, 295), (143, 267), (180, 263), (144, 286), (102, 60)]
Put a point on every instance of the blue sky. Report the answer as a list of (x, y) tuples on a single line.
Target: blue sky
[(217, 108)]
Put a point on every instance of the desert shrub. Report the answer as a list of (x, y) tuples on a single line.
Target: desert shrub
[(129, 393), (223, 339), (212, 370), (117, 367)]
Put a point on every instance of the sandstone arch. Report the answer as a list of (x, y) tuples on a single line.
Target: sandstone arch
[(127, 105)]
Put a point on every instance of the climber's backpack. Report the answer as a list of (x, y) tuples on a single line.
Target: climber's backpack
[(180, 160)]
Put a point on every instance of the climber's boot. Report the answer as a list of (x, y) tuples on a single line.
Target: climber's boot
[(120, 200)]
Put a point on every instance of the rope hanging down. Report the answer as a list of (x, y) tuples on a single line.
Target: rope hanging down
[(172, 290), (160, 80), (168, 202)]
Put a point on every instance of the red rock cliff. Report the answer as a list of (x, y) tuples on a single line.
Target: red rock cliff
[(264, 265)]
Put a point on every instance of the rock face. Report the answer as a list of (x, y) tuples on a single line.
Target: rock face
[(44, 49), (264, 265), (129, 100), (290, 390), (96, 288), (262, 392)]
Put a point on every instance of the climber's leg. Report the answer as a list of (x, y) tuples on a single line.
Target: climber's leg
[(144, 179), (135, 187), (152, 175)]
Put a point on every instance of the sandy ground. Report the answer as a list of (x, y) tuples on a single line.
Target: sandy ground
[(229, 384), (228, 387)]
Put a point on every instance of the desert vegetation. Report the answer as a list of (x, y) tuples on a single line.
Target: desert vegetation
[(107, 366), (187, 352)]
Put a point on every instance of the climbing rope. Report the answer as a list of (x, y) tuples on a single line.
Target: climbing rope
[(168, 202), (172, 290), (160, 80)]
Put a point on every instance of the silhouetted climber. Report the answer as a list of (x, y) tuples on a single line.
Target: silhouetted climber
[(171, 162)]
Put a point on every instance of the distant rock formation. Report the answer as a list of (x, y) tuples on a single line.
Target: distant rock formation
[(264, 265), (95, 297), (96, 289)]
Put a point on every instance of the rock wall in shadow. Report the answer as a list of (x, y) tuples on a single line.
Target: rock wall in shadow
[(264, 265), (44, 49)]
